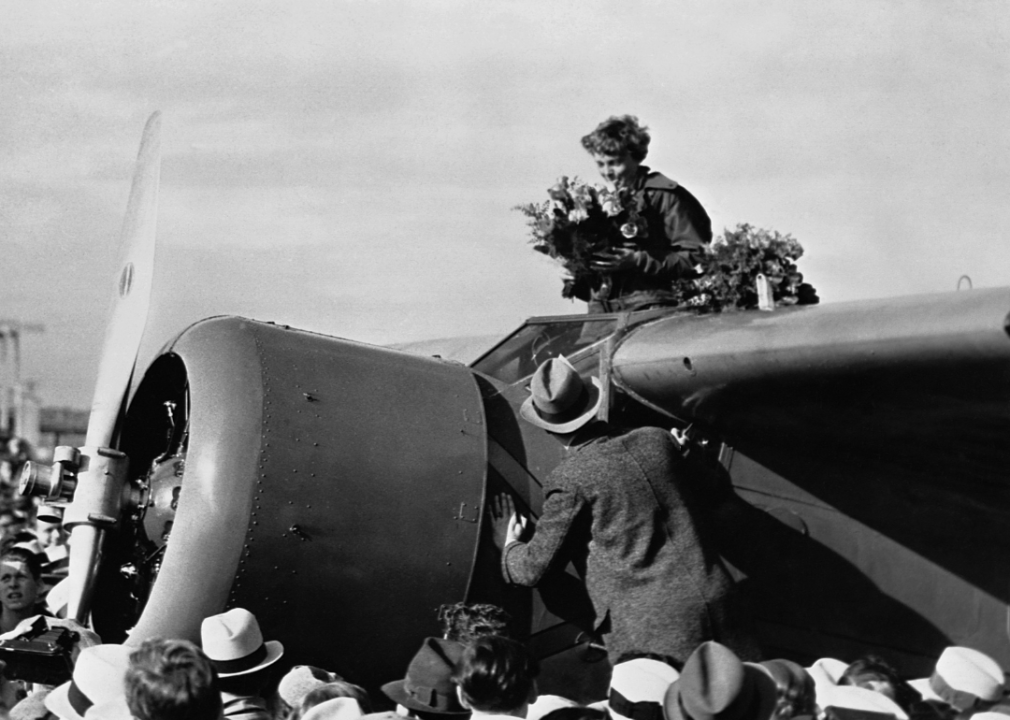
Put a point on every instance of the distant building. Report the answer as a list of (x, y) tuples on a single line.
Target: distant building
[(62, 426)]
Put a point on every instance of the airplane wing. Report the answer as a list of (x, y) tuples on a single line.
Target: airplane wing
[(877, 428)]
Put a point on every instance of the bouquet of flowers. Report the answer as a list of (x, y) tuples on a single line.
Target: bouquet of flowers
[(729, 270), (577, 222)]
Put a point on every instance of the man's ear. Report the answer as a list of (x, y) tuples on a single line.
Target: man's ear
[(462, 698)]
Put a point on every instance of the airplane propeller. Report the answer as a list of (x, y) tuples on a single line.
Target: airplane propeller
[(93, 479)]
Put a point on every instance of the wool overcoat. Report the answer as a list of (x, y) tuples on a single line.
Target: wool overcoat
[(627, 512)]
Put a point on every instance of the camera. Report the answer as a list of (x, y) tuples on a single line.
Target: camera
[(42, 655)]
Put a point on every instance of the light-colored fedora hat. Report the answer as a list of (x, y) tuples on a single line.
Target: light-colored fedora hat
[(638, 687), (547, 704), (115, 709), (341, 708), (98, 677), (827, 671), (301, 680), (963, 678), (234, 643), (560, 400), (852, 697)]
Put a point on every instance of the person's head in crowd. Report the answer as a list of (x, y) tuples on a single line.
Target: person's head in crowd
[(331, 691), (20, 581), (964, 679), (243, 660), (297, 683), (11, 522), (716, 685), (576, 712), (638, 686), (97, 678), (25, 539), (860, 700), (496, 676), (428, 690), (560, 401), (796, 691), (618, 145), (464, 623), (50, 534), (874, 673), (171, 680)]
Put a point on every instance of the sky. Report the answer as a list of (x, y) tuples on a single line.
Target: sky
[(350, 166)]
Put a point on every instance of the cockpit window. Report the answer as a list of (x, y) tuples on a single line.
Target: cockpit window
[(518, 355)]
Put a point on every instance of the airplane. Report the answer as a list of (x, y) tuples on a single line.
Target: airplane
[(338, 490)]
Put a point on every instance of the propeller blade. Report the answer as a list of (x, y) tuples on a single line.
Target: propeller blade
[(88, 515), (132, 298)]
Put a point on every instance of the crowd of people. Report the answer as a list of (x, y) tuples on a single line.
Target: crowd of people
[(477, 671)]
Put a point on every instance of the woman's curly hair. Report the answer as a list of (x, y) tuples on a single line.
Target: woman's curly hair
[(619, 134), (465, 623)]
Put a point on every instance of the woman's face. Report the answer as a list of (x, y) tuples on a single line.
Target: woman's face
[(617, 170), (18, 589)]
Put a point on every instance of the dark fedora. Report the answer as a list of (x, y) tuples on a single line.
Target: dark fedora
[(715, 685), (560, 400), (428, 686)]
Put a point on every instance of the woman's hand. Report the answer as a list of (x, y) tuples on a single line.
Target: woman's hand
[(508, 525), (618, 258)]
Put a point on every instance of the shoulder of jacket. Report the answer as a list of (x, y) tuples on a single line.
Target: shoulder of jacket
[(659, 181)]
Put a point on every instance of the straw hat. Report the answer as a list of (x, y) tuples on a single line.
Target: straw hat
[(638, 687), (341, 708), (98, 677), (234, 643), (853, 697), (963, 677)]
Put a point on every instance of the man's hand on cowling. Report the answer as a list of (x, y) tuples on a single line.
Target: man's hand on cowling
[(508, 526)]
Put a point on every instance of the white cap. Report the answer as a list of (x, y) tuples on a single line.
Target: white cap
[(640, 680), (963, 670), (857, 698)]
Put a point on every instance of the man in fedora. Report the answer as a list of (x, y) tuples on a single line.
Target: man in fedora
[(234, 644), (716, 685), (428, 691), (97, 678), (627, 511)]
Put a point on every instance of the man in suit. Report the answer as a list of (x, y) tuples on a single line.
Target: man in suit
[(625, 509)]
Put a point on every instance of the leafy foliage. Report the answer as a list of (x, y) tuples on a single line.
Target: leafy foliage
[(579, 221), (732, 263)]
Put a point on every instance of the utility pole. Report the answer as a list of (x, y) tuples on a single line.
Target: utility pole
[(12, 391)]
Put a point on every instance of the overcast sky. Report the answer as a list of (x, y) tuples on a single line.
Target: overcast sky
[(350, 167)]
